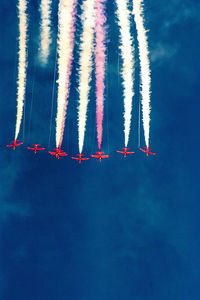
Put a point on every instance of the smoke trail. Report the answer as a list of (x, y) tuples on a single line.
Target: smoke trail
[(86, 50), (100, 65), (127, 50), (144, 65), (45, 30), (21, 81), (66, 22)]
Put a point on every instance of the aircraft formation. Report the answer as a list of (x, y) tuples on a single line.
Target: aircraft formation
[(58, 152), (93, 38)]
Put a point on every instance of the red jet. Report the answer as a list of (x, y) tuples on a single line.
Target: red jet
[(36, 148), (15, 144), (125, 152), (58, 153), (146, 150), (80, 158), (99, 155)]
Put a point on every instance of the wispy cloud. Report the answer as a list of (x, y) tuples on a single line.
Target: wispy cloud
[(170, 17), (163, 51)]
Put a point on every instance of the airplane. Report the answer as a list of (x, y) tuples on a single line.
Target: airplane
[(80, 158), (99, 155), (15, 144), (58, 153), (125, 152), (35, 149), (146, 150)]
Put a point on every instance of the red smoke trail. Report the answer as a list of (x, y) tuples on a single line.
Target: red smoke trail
[(100, 58)]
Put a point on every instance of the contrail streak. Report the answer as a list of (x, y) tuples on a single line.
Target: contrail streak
[(127, 54), (86, 50), (21, 81), (45, 30), (66, 28), (100, 65), (144, 65)]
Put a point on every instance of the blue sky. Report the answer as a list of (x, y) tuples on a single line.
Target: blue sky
[(124, 229)]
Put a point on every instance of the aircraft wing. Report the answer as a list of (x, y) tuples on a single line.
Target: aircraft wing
[(105, 156), (120, 152), (63, 154), (52, 153), (152, 153), (85, 158), (9, 145), (40, 148), (75, 158), (130, 152), (96, 156), (142, 150), (30, 148), (19, 144)]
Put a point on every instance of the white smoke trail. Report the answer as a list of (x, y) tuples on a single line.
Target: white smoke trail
[(86, 50), (45, 30), (144, 65), (65, 52), (21, 81), (127, 54)]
